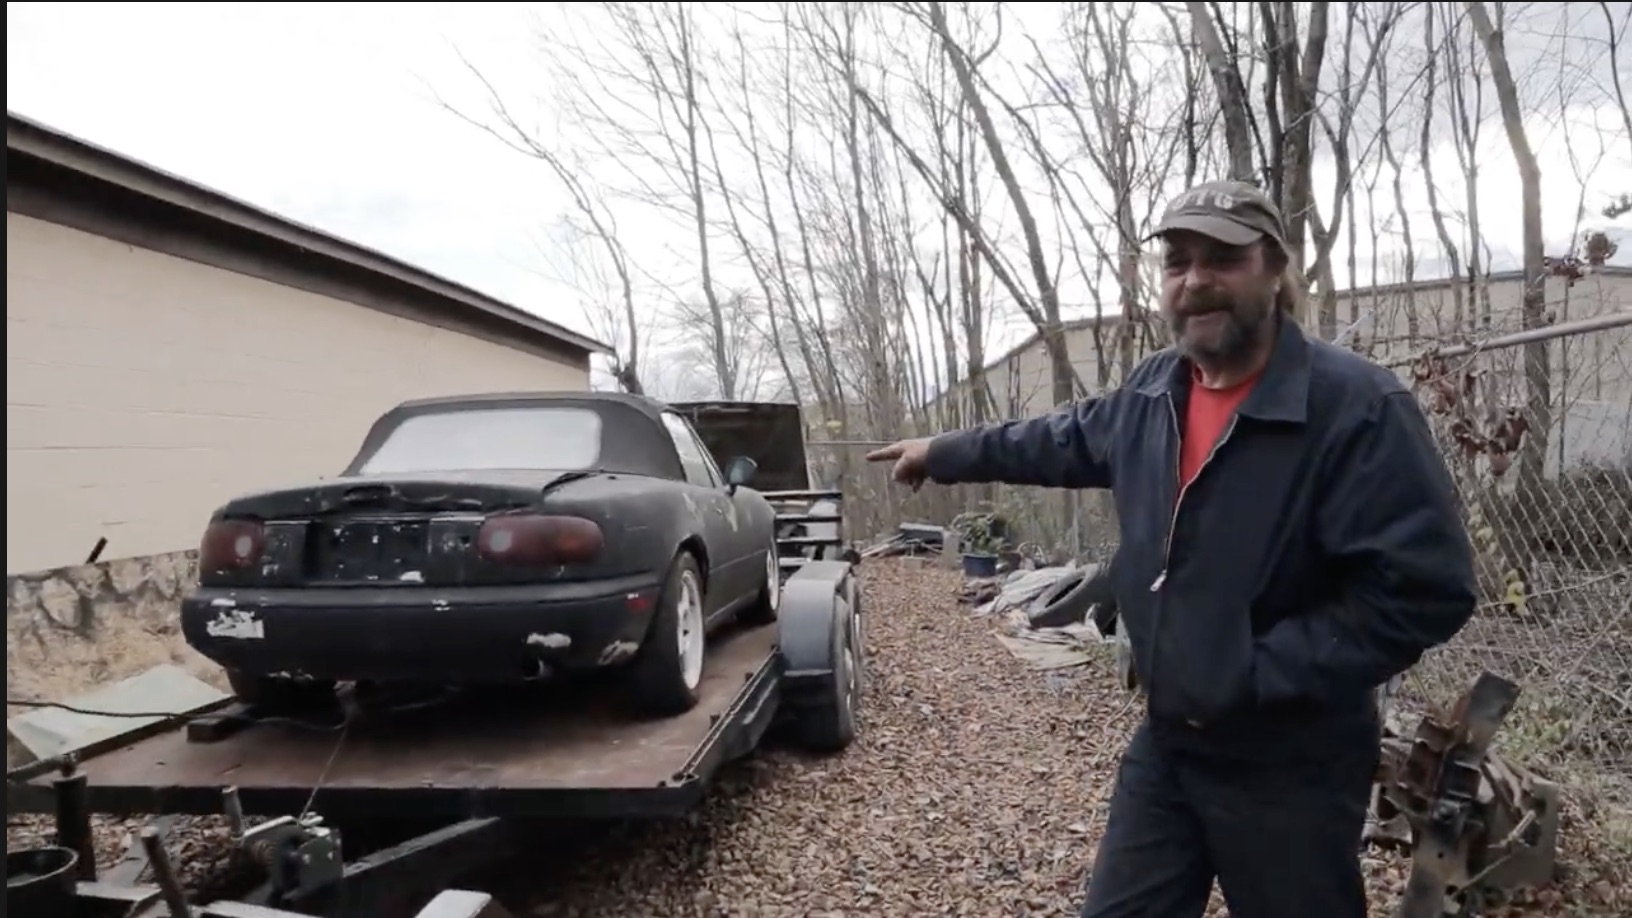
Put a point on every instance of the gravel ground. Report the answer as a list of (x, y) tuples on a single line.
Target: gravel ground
[(976, 787)]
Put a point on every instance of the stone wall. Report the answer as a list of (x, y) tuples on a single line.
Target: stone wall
[(72, 629)]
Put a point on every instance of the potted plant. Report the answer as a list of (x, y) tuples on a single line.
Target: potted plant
[(981, 537)]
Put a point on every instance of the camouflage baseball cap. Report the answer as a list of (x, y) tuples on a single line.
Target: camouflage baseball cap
[(1234, 213)]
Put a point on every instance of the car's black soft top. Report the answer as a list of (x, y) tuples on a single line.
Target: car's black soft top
[(634, 440)]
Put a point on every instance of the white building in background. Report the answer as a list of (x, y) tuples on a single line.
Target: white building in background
[(1592, 372), (168, 347)]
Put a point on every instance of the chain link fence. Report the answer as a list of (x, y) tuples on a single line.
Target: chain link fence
[(1536, 428)]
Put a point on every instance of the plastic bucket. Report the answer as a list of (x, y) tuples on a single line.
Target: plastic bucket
[(40, 882), (979, 565)]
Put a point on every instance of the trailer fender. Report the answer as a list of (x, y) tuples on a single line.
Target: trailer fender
[(811, 600), (821, 665)]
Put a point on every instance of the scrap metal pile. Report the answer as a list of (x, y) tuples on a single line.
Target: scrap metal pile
[(1479, 827)]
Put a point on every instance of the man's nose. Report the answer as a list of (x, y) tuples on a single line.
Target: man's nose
[(1199, 278)]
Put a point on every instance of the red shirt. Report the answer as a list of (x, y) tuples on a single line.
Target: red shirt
[(1205, 419)]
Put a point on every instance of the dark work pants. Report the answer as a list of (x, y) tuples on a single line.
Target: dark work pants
[(1279, 830)]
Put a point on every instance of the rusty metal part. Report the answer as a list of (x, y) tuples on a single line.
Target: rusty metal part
[(1479, 826), (299, 855), (164, 876)]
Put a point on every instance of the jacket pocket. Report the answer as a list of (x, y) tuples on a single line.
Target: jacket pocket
[(1203, 655)]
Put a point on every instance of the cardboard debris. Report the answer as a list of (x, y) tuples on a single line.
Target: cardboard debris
[(50, 731), (1054, 648)]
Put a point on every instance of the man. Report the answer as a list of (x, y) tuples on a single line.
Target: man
[(1290, 540)]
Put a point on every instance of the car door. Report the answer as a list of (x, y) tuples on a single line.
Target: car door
[(731, 572)]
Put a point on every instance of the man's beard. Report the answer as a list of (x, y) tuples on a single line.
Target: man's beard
[(1229, 344)]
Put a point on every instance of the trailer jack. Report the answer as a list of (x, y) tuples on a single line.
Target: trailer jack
[(1478, 826)]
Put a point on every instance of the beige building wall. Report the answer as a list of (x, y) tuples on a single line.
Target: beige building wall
[(144, 389), (1592, 372)]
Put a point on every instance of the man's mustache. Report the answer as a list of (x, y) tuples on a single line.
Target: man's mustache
[(1200, 303)]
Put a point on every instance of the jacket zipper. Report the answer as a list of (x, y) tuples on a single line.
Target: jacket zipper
[(1173, 521)]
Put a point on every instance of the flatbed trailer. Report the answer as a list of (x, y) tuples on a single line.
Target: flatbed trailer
[(481, 771)]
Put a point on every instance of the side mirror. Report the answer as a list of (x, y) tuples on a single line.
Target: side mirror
[(739, 471)]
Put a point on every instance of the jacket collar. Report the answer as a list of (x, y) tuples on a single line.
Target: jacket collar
[(1282, 393)]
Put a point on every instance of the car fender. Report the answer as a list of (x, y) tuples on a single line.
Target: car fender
[(763, 516), (678, 518)]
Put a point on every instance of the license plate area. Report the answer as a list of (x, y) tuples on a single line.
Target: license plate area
[(372, 551)]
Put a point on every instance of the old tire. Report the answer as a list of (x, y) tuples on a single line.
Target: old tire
[(275, 694), (765, 606), (663, 680), (828, 724)]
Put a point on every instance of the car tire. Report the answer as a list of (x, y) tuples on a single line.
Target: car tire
[(769, 598), (666, 675), (276, 694)]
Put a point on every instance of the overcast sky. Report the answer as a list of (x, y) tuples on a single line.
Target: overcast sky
[(319, 112), (313, 110)]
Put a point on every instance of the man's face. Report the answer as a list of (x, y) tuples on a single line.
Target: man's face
[(1216, 297)]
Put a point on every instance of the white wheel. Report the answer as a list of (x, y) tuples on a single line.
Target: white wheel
[(689, 635), (664, 678), (773, 576), (764, 609)]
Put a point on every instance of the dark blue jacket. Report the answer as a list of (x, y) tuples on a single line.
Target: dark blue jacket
[(1319, 551)]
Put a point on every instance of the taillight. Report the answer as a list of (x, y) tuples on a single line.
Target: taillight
[(231, 545), (529, 539)]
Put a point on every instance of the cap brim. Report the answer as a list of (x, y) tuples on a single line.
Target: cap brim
[(1224, 230)]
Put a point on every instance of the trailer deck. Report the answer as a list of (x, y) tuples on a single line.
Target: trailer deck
[(537, 755)]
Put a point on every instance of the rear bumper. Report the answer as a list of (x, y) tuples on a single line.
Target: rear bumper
[(410, 633)]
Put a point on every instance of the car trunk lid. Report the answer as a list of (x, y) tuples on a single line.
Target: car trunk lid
[(381, 530)]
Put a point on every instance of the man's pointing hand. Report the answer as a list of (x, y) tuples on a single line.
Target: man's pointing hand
[(911, 458)]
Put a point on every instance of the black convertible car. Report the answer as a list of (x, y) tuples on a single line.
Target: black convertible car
[(491, 538)]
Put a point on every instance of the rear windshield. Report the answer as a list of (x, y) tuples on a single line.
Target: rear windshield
[(556, 438)]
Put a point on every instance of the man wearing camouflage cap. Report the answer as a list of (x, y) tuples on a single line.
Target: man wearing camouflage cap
[(1290, 541)]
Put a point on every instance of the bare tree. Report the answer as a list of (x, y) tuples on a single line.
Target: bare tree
[(1617, 37), (1537, 375), (602, 226)]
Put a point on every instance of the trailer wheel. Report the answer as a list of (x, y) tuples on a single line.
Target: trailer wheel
[(663, 679), (828, 723), (274, 694)]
